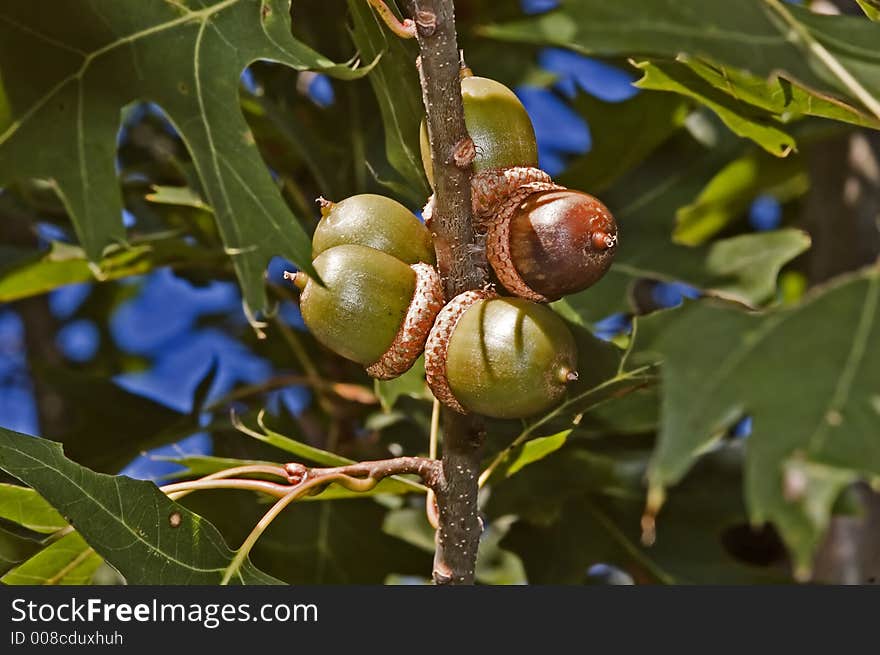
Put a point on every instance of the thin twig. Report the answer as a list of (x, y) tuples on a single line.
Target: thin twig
[(430, 499), (405, 29)]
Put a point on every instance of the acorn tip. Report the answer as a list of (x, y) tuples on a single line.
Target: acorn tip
[(325, 205), (298, 278)]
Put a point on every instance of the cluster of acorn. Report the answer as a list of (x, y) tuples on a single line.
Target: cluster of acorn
[(382, 302)]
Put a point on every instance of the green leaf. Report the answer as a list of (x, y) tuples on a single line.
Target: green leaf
[(752, 261), (582, 507), (126, 521), (94, 58), (180, 196), (5, 110), (338, 542), (395, 83), (777, 95), (742, 119), (66, 264), (27, 508), (68, 561), (536, 450), (749, 35), (729, 194), (809, 378), (871, 8), (297, 448), (623, 134)]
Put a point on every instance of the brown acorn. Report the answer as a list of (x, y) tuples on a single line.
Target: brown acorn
[(546, 241)]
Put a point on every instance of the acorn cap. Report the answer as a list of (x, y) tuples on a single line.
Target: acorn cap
[(371, 304), (490, 189), (409, 342), (498, 241), (438, 342)]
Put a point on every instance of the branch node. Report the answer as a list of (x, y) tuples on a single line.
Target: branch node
[(464, 152), (426, 21)]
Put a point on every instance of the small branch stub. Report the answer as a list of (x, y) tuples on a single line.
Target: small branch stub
[(426, 21)]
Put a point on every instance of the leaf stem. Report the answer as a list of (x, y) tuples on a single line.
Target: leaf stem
[(405, 29), (245, 549), (180, 489), (431, 499)]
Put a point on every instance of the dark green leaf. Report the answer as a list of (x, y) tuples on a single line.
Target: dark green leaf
[(129, 522), (751, 35), (809, 378), (336, 542), (95, 58), (109, 426), (585, 509), (623, 134), (395, 82)]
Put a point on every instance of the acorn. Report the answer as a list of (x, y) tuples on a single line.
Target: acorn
[(546, 241), (376, 222), (374, 309), (497, 122), (499, 357)]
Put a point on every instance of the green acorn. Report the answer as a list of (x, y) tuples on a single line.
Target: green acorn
[(500, 357), (498, 124), (374, 221), (374, 309)]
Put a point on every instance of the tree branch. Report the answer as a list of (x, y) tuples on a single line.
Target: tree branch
[(299, 478), (462, 265)]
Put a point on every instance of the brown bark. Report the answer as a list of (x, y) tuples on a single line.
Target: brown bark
[(462, 266)]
